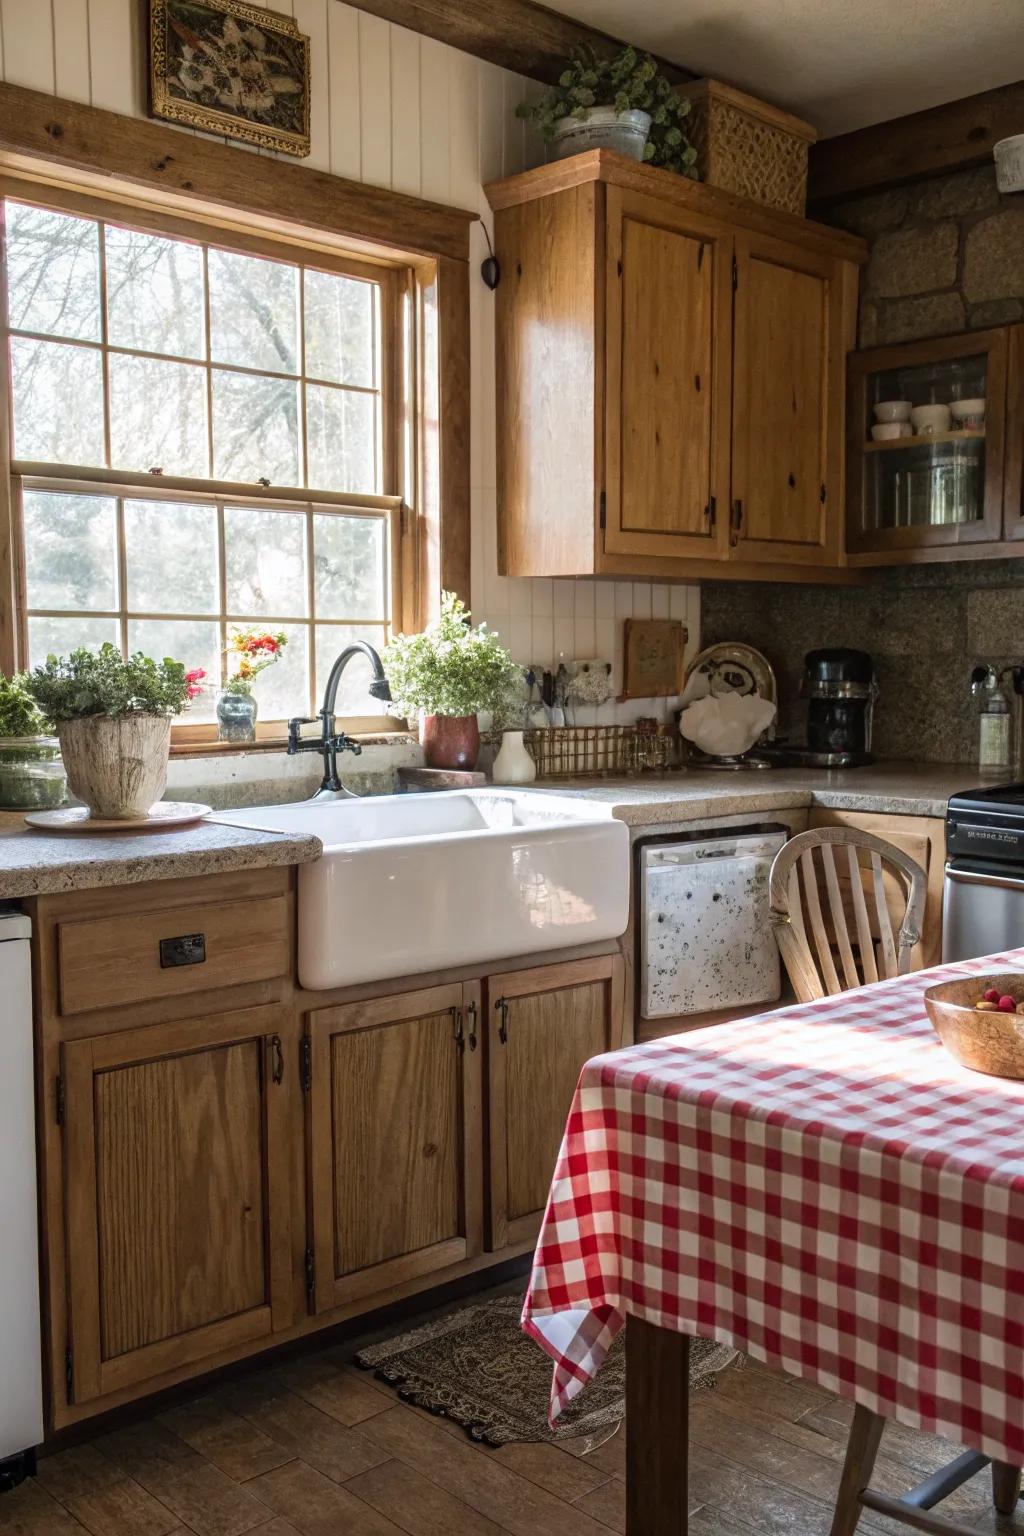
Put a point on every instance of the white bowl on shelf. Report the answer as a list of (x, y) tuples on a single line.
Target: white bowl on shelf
[(928, 419), (968, 413), (885, 431), (892, 410)]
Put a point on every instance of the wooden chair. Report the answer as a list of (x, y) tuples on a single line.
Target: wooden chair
[(834, 893), (840, 891)]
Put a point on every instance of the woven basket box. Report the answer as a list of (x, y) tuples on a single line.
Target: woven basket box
[(745, 146)]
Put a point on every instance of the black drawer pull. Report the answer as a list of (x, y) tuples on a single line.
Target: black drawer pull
[(188, 949)]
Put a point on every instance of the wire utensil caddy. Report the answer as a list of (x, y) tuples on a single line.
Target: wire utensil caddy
[(581, 751)]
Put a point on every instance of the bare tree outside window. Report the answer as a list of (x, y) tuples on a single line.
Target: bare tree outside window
[(138, 352)]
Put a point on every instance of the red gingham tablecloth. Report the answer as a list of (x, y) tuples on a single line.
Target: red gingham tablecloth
[(823, 1187)]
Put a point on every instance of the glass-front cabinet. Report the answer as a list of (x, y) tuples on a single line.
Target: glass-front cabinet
[(926, 443)]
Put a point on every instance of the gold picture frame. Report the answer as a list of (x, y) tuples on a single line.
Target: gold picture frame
[(231, 68)]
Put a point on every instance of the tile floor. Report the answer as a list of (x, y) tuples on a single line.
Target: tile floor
[(318, 1448)]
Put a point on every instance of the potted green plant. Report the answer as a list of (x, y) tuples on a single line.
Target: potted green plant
[(444, 676), (113, 721), (32, 775), (251, 652), (621, 102)]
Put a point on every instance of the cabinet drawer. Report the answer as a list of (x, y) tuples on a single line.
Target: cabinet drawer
[(105, 962)]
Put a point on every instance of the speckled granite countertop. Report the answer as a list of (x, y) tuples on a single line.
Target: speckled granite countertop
[(34, 863), (906, 789), (37, 863)]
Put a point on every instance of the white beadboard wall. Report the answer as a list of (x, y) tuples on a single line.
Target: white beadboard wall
[(401, 111)]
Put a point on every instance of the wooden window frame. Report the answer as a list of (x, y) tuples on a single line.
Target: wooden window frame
[(160, 177)]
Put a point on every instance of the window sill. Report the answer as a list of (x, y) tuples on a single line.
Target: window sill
[(186, 749)]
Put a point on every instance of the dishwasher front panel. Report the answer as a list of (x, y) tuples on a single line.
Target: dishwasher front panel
[(705, 935)]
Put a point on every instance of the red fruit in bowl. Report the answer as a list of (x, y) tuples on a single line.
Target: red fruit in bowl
[(992, 995), (1007, 1004)]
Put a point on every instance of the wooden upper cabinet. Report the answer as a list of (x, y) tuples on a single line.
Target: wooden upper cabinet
[(668, 287), (542, 1025), (670, 376), (395, 1137), (176, 1196), (788, 403)]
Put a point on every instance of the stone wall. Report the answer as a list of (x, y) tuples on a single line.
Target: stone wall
[(925, 626), (947, 254)]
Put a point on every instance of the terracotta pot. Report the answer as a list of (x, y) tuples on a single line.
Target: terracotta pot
[(118, 768), (450, 741)]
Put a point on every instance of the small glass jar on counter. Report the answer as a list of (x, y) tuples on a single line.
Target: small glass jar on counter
[(32, 776)]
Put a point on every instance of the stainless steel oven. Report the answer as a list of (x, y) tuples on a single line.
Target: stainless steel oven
[(983, 897)]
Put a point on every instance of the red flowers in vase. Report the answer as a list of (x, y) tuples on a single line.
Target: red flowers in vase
[(252, 651)]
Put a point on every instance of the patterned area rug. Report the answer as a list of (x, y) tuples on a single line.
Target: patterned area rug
[(478, 1368)]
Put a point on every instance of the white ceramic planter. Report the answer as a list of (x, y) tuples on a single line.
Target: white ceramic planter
[(1009, 156), (602, 128), (118, 768)]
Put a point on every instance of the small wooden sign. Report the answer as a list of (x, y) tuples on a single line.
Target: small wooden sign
[(653, 667)]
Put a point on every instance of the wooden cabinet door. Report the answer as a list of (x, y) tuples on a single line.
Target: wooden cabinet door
[(920, 837), (543, 1024), (668, 280), (793, 324), (177, 1195), (395, 1140)]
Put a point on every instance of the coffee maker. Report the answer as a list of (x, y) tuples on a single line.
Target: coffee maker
[(839, 686)]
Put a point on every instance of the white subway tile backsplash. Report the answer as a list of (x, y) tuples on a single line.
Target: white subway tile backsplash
[(564, 639), (564, 595), (543, 596), (585, 602), (678, 602), (583, 638), (520, 639), (520, 596), (543, 641), (623, 599), (641, 600), (660, 602), (604, 599)]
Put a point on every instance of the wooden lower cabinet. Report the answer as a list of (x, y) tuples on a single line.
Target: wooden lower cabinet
[(542, 1025), (395, 1137), (923, 838), (176, 1196)]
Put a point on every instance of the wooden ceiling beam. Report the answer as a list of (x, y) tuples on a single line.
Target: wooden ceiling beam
[(516, 34), (952, 137)]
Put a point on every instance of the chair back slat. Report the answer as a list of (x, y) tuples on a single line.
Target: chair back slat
[(821, 940), (838, 911), (826, 932), (865, 943), (889, 958)]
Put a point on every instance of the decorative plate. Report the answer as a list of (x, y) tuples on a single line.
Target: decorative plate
[(76, 818), (734, 667)]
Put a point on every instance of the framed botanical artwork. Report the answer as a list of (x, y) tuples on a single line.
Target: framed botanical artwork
[(230, 68)]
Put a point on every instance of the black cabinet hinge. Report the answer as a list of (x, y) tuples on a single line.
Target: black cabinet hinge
[(711, 512), (824, 493), (459, 1029), (69, 1374), (310, 1273), (735, 274), (603, 509), (59, 1100), (306, 1063)]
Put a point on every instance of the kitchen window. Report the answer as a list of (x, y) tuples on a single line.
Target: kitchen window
[(203, 439)]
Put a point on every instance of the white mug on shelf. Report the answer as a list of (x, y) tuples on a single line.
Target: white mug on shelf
[(929, 419)]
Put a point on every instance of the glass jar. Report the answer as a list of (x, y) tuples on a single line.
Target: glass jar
[(32, 776), (236, 717)]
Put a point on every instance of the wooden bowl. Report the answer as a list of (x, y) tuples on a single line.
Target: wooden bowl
[(984, 1041)]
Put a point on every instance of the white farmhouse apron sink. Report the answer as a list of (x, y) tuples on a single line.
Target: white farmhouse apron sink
[(415, 883)]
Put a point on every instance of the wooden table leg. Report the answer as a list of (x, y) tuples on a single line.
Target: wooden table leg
[(1005, 1487), (657, 1430)]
